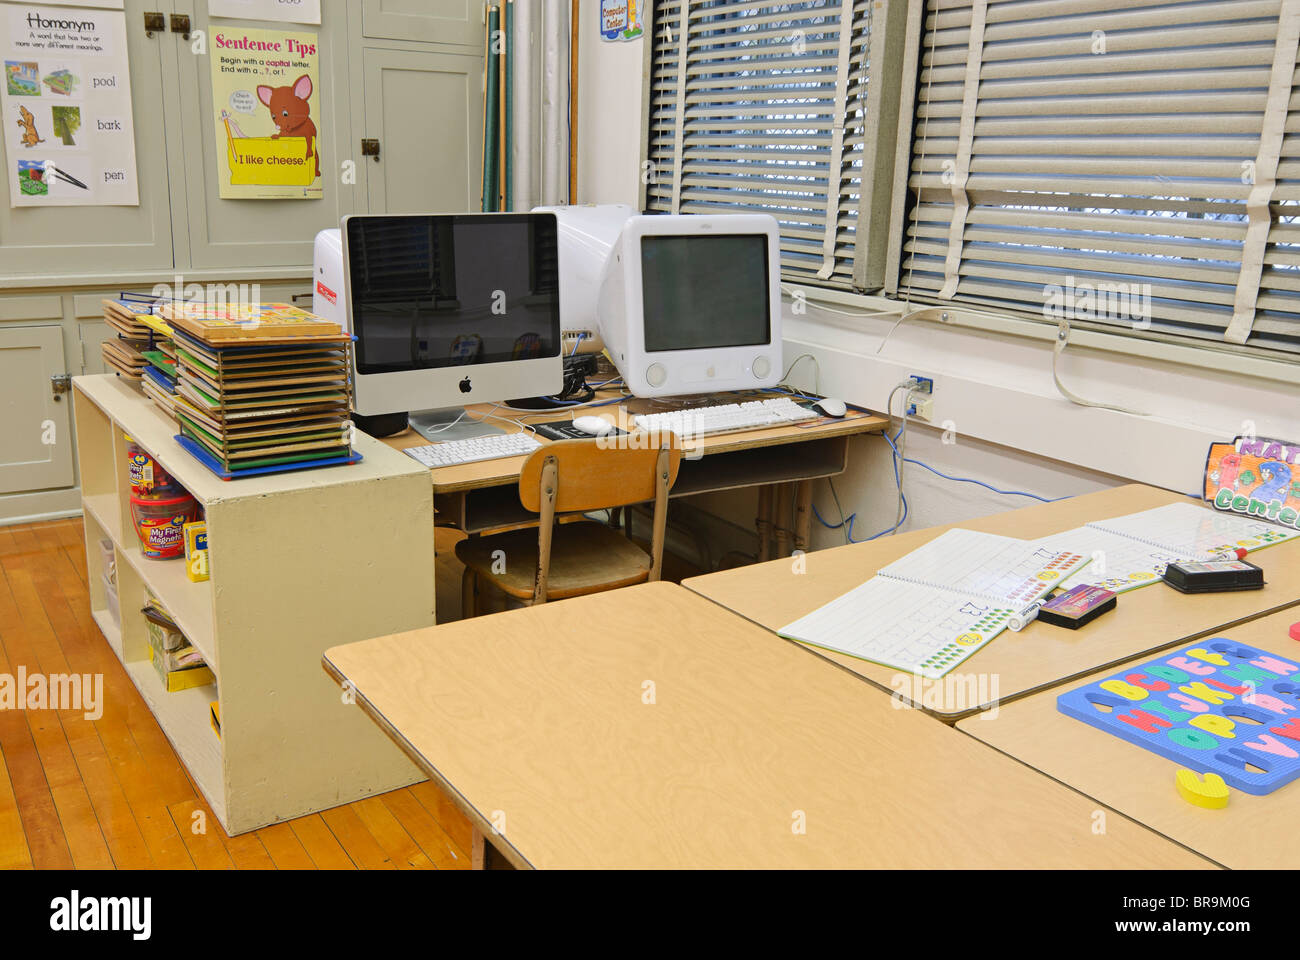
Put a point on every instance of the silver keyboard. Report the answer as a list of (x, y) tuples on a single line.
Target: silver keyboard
[(455, 452), (726, 418)]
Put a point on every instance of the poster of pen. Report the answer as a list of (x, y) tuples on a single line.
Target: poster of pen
[(69, 137)]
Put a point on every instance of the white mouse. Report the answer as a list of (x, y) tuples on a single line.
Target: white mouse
[(830, 407), (595, 426)]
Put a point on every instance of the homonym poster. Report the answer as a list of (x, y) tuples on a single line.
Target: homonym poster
[(69, 135)]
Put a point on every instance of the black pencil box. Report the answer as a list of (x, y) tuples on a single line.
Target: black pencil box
[(1213, 576)]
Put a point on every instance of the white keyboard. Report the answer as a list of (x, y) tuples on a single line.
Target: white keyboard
[(455, 452), (728, 417)]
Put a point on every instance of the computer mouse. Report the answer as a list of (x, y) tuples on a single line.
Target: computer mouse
[(830, 407), (595, 426)]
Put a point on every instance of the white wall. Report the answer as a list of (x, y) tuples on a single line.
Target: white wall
[(609, 113), (1013, 429)]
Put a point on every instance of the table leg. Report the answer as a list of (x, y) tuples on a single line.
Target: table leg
[(468, 594), (477, 851), (803, 514), (784, 507), (764, 523)]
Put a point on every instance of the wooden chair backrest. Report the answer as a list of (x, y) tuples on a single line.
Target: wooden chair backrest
[(573, 476), (596, 475)]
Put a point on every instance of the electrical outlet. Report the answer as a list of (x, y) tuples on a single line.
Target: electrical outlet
[(923, 385), (921, 409)]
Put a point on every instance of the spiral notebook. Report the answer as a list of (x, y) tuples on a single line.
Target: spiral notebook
[(1132, 551), (930, 610)]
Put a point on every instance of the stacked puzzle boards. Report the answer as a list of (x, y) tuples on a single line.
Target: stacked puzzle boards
[(247, 404), (125, 353), (160, 376)]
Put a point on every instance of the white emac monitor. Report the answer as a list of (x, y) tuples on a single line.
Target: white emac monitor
[(692, 303), (449, 310)]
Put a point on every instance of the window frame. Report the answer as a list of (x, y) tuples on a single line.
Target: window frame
[(880, 127), (896, 45)]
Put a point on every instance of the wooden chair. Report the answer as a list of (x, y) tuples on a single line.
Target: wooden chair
[(560, 560)]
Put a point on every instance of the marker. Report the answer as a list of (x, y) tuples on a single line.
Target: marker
[(1238, 554)]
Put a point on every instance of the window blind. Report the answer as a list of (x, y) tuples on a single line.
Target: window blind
[(758, 107), (1123, 161)]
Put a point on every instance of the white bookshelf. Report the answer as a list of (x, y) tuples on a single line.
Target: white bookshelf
[(300, 562)]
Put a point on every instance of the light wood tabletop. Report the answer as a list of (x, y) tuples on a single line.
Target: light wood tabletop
[(648, 727), (1014, 665), (1251, 832), (505, 471)]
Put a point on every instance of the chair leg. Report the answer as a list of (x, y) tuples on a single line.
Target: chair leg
[(468, 594)]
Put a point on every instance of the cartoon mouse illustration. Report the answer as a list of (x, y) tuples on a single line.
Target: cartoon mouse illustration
[(292, 113), (28, 122)]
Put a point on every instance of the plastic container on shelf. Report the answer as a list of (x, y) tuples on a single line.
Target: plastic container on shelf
[(160, 524), (110, 600), (149, 481), (108, 558)]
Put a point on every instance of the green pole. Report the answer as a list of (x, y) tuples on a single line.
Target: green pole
[(491, 106), (508, 130)]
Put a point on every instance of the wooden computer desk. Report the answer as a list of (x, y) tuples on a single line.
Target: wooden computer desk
[(782, 461), (1251, 832), (648, 727), (1015, 664)]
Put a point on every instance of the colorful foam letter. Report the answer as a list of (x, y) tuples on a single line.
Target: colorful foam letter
[(1212, 793)]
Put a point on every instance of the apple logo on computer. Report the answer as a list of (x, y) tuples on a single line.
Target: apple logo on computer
[(466, 386)]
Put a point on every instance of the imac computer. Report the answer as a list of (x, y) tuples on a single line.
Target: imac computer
[(446, 310), (685, 304)]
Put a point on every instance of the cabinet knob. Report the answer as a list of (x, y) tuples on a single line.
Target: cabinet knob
[(370, 148), (154, 22)]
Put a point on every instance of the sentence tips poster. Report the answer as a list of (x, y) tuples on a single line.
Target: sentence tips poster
[(69, 135), (266, 104)]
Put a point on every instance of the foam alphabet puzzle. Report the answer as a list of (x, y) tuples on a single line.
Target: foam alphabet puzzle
[(1216, 706)]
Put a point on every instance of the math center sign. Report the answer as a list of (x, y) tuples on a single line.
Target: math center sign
[(69, 137), (266, 103)]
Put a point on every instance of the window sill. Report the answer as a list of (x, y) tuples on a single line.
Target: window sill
[(994, 382), (1158, 347)]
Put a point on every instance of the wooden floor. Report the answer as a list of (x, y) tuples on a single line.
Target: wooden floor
[(111, 793)]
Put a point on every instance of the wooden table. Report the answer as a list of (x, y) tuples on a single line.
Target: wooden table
[(1251, 832), (1015, 664), (782, 461), (648, 727)]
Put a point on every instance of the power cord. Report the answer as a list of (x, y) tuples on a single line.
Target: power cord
[(817, 373), (897, 444), (979, 483), (1063, 341)]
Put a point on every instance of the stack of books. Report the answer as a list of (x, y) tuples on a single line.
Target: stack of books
[(261, 388), (179, 665)]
